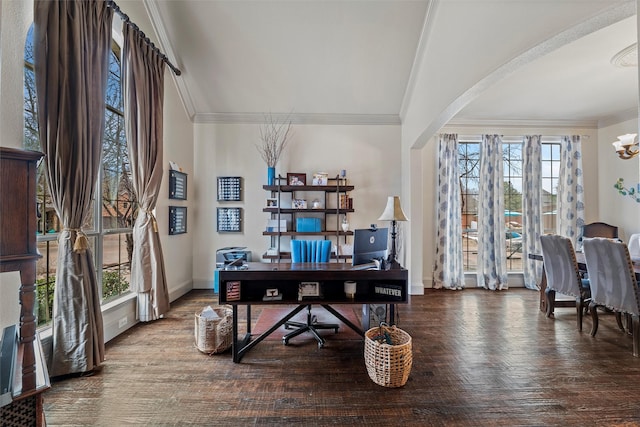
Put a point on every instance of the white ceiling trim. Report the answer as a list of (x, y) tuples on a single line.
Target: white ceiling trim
[(630, 114), (300, 119), (165, 44), (519, 124)]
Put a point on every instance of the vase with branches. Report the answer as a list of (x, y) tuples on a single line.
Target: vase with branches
[(274, 137)]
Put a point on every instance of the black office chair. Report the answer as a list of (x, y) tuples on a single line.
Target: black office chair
[(309, 251)]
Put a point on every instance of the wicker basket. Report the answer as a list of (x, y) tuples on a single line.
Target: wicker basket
[(214, 335), (388, 365)]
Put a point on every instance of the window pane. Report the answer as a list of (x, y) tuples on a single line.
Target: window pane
[(116, 267), (46, 280)]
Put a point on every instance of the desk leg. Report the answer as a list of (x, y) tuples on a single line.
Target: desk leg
[(234, 340), (365, 317), (249, 319), (247, 344)]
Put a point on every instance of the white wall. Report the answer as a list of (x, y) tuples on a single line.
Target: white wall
[(613, 208), (16, 18), (366, 152)]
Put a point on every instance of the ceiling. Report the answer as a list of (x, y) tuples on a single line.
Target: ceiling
[(334, 61)]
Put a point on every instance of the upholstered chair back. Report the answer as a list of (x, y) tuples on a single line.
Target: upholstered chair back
[(561, 267), (613, 280)]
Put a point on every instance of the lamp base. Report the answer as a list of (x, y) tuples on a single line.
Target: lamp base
[(392, 264)]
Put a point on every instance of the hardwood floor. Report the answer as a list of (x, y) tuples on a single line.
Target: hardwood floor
[(479, 358)]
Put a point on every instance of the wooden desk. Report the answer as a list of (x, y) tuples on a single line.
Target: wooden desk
[(582, 265), (247, 287)]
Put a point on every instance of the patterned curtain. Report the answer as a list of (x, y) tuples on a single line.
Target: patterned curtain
[(531, 208), (72, 43), (492, 269), (570, 190), (448, 270)]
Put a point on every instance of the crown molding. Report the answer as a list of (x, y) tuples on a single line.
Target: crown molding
[(519, 124), (623, 116), (299, 118)]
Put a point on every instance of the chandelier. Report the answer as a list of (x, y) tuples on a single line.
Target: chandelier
[(625, 144)]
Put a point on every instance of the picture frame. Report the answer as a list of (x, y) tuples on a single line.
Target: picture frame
[(299, 204), (296, 179), (177, 220), (320, 178), (308, 290), (229, 188), (233, 290), (177, 185), (229, 220), (272, 202)]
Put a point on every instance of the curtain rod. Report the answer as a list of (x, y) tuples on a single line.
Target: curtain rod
[(112, 4)]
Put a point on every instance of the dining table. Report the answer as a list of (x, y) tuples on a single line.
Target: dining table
[(582, 266)]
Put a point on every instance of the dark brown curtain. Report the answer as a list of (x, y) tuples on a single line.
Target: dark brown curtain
[(72, 42), (143, 87)]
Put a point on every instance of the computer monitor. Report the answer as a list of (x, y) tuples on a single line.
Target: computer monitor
[(369, 244)]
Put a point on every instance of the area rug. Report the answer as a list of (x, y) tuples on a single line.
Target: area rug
[(270, 316)]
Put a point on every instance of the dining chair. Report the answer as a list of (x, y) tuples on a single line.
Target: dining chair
[(309, 251), (563, 275), (634, 247), (613, 284), (600, 229)]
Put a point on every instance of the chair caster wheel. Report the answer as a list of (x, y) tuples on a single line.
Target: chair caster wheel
[(336, 330), (285, 342)]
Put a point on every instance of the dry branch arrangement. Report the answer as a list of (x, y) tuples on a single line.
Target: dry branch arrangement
[(274, 136)]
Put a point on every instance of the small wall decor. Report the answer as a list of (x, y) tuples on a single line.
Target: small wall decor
[(177, 220), (296, 179), (229, 188), (177, 185), (229, 219)]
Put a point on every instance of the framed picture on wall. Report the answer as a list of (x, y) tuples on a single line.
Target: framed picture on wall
[(229, 219)]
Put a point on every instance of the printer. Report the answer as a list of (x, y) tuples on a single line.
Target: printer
[(231, 257), (228, 255)]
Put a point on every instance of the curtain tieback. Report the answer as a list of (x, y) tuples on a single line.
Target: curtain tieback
[(154, 223), (81, 243)]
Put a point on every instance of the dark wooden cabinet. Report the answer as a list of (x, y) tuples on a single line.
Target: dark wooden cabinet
[(19, 252)]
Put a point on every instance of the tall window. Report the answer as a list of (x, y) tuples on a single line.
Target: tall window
[(109, 226), (469, 158)]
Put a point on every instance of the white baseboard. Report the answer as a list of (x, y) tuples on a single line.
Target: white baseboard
[(203, 284)]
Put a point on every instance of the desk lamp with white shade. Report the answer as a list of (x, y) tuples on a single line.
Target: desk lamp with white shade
[(393, 212)]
